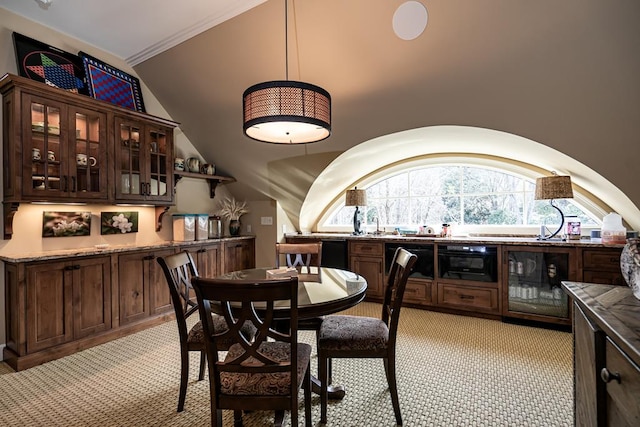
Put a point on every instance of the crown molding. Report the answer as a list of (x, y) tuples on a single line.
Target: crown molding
[(191, 31)]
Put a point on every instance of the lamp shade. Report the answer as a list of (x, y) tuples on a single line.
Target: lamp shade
[(553, 187), (287, 112), (356, 198)]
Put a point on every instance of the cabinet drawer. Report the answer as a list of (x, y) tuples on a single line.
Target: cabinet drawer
[(418, 293), (601, 259), (466, 297), (365, 248), (623, 400), (603, 277)]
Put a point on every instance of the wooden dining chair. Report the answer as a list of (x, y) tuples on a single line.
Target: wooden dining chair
[(301, 255), (179, 269), (343, 336), (261, 374)]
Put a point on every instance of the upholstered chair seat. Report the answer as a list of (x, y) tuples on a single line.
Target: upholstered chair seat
[(353, 333), (264, 384)]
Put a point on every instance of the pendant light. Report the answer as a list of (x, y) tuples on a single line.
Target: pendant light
[(286, 111)]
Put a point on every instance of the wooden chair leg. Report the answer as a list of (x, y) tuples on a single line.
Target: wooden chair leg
[(307, 397), (184, 377), (390, 369), (279, 419), (203, 363), (237, 419), (323, 362)]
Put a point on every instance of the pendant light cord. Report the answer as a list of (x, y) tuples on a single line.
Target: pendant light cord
[(286, 40)]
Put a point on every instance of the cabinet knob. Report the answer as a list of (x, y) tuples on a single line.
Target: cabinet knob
[(607, 376)]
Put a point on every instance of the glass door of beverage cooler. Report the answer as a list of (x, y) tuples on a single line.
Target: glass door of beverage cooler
[(534, 279)]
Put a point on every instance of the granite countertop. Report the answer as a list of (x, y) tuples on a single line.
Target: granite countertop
[(109, 249), (614, 309), (414, 238)]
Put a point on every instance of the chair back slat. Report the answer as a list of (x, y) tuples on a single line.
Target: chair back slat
[(401, 267), (179, 269), (242, 301), (299, 254)]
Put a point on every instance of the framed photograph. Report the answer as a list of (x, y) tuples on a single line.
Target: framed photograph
[(47, 64), (66, 224), (118, 222), (109, 84)]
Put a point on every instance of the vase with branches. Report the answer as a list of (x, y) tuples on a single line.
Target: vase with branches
[(231, 210)]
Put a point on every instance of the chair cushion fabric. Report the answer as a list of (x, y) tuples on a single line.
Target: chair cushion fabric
[(261, 384), (196, 334), (349, 333)]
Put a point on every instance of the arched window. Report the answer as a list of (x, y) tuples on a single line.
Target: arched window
[(489, 197)]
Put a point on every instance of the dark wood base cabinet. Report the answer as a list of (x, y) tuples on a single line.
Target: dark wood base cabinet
[(606, 331), (57, 307)]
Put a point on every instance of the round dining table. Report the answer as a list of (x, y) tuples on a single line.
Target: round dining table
[(321, 291)]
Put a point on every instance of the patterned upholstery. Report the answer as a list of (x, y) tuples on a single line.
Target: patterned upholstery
[(353, 333), (264, 384), (196, 334)]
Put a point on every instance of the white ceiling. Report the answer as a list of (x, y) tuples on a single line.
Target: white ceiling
[(133, 30)]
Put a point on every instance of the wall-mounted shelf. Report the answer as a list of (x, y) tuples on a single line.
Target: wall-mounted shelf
[(213, 180)]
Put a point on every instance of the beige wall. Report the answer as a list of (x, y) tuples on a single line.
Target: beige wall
[(192, 195)]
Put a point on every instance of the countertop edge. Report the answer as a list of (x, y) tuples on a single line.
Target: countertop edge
[(505, 240), (112, 249)]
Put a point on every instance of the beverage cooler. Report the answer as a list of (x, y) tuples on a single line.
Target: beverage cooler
[(534, 280)]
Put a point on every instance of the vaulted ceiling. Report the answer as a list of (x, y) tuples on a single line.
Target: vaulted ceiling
[(560, 73)]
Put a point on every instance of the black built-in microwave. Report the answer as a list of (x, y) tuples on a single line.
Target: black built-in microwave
[(463, 262), (423, 268)]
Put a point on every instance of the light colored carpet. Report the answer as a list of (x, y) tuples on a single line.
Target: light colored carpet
[(452, 371)]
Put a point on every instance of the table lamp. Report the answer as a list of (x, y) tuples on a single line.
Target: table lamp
[(356, 198), (550, 188)]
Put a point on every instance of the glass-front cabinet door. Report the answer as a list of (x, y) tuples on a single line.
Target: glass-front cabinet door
[(88, 156), (533, 289), (64, 152), (43, 148), (160, 181), (144, 169), (128, 161)]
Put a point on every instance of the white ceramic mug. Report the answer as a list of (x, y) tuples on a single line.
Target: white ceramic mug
[(82, 160), (35, 154), (208, 169), (193, 163), (51, 156), (178, 164)]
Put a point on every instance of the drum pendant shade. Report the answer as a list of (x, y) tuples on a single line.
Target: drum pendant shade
[(286, 111)]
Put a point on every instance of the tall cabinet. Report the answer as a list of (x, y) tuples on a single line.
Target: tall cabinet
[(67, 148)]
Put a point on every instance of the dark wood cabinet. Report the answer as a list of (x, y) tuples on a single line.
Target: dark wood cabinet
[(606, 354), (601, 265), (367, 259), (238, 255), (64, 151), (143, 288), (57, 307), (143, 161), (63, 301), (208, 259), (67, 148)]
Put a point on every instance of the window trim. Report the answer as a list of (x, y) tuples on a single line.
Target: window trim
[(584, 199)]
